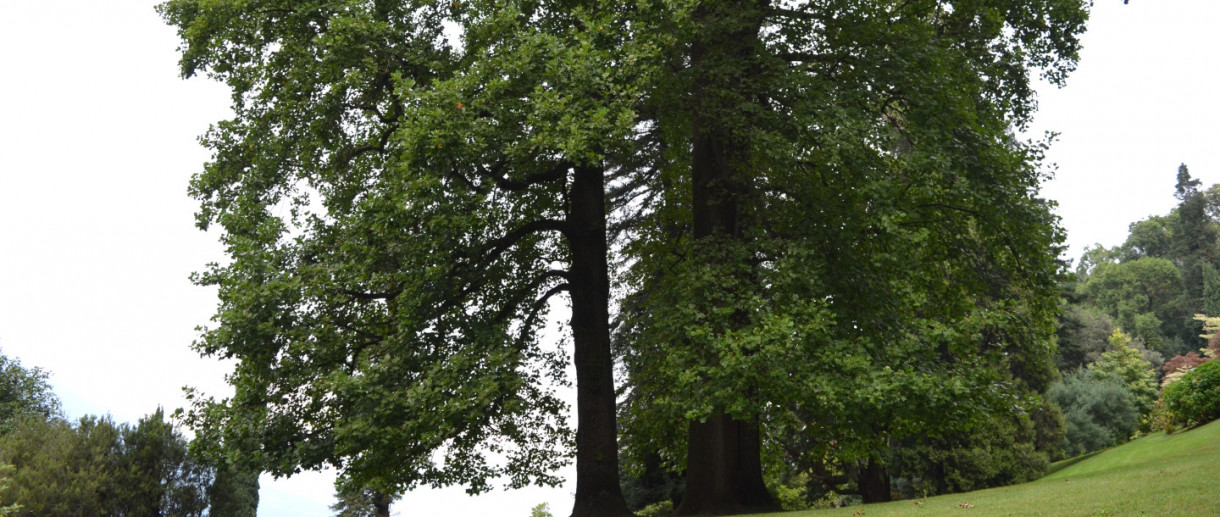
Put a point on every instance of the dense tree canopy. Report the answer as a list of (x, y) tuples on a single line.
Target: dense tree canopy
[(400, 207), (853, 233), (820, 211)]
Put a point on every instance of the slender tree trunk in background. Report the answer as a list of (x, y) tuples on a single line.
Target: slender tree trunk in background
[(381, 505), (598, 493), (234, 492), (724, 461)]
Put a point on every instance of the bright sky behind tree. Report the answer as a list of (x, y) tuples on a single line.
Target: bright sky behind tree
[(97, 237)]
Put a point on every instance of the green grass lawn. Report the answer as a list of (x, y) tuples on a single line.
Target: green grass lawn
[(1159, 474)]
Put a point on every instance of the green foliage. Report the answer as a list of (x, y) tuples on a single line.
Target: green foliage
[(1126, 365), (1001, 450), (158, 477), (62, 470), (651, 483), (793, 494), (6, 471), (1083, 335), (98, 468), (395, 206), (1151, 237), (24, 393), (1098, 412), (1211, 290), (234, 491), (1195, 398), (1151, 285), (1195, 236), (1142, 295), (877, 301), (542, 510), (661, 509), (370, 503)]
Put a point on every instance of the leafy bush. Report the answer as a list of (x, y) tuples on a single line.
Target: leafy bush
[(1195, 399), (1098, 412), (792, 495), (1000, 451), (661, 509)]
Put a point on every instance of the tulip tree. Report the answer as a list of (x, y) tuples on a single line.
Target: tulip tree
[(403, 190), (851, 230), (820, 205)]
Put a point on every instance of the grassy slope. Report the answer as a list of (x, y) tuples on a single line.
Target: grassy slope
[(1156, 475)]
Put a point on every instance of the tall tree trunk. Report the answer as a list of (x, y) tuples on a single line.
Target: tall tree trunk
[(874, 482), (598, 493), (724, 469), (724, 464)]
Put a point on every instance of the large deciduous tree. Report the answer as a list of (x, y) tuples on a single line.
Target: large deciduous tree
[(849, 230), (825, 213), (403, 189)]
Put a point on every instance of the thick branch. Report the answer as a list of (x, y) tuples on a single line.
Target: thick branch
[(498, 176), (495, 247)]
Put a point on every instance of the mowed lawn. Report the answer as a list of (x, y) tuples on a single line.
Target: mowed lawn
[(1159, 474)]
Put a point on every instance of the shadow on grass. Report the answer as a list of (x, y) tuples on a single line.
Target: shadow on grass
[(1063, 464)]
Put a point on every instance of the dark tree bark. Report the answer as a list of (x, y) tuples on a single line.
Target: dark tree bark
[(874, 482), (598, 493), (724, 469), (381, 505), (724, 464)]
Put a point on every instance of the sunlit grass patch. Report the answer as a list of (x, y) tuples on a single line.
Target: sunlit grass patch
[(1156, 475)]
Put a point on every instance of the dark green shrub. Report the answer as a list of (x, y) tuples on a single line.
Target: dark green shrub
[(1195, 398), (1098, 412), (1000, 451)]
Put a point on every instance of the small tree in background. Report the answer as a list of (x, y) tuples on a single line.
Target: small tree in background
[(542, 510), (1125, 364), (1098, 412), (234, 491), (1082, 336), (362, 503), (24, 392)]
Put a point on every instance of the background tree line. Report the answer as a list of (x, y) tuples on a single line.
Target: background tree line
[(1135, 320), (93, 466)]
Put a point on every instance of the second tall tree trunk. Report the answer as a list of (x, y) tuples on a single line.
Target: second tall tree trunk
[(724, 464), (598, 493)]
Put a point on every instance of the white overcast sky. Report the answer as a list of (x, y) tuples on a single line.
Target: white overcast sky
[(98, 141)]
